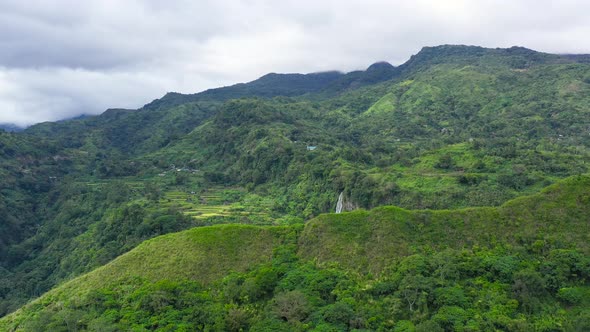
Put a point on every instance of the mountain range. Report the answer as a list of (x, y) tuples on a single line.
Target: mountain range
[(461, 173)]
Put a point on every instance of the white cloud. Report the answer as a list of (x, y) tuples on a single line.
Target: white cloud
[(62, 58), (32, 95)]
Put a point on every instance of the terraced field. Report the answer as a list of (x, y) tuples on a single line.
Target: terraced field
[(216, 202), (195, 205), (209, 204)]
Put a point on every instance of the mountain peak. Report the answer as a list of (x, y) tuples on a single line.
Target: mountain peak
[(381, 65)]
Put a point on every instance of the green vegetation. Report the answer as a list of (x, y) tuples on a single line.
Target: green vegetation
[(448, 137), (385, 269), (555, 218)]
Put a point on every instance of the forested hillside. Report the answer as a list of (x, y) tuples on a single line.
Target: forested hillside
[(523, 266), (453, 128)]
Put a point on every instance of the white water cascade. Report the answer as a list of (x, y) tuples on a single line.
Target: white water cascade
[(339, 204)]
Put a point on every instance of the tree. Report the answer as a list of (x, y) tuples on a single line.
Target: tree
[(291, 306), (445, 162), (527, 288), (413, 289), (152, 191)]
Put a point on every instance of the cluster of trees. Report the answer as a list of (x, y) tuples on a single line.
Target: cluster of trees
[(84, 228)]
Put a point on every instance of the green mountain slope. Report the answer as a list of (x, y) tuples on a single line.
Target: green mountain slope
[(454, 127), (450, 135), (556, 217), (382, 248)]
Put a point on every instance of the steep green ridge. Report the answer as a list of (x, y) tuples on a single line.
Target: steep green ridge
[(383, 247), (121, 132), (201, 254)]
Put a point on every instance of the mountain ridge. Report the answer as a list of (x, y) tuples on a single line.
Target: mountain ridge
[(328, 80), (442, 51)]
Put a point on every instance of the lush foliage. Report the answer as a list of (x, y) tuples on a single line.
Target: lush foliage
[(380, 270), (454, 127)]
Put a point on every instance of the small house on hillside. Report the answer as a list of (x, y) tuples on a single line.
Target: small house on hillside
[(311, 147)]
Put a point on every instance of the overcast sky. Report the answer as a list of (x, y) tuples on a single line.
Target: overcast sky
[(59, 59)]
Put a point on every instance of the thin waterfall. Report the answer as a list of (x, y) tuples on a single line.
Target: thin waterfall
[(339, 204)]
